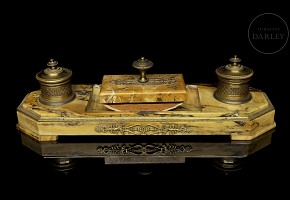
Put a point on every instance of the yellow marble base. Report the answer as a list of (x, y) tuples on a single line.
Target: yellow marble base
[(200, 114)]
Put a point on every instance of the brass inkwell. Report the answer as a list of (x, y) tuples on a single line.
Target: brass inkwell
[(233, 85), (55, 85)]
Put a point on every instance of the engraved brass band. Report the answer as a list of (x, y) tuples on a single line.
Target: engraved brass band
[(55, 85)]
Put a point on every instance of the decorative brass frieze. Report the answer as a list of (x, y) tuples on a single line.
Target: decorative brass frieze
[(144, 149), (139, 129), (153, 81)]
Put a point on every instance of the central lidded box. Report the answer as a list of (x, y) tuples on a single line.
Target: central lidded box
[(160, 88), (150, 92)]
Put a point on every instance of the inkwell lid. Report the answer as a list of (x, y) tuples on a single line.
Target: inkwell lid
[(53, 73), (234, 70)]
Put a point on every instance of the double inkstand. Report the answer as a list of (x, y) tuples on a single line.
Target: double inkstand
[(155, 106)]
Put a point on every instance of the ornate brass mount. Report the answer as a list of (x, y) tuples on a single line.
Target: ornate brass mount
[(233, 85), (55, 85), (142, 65)]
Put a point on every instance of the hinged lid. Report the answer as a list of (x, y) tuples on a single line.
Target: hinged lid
[(150, 88)]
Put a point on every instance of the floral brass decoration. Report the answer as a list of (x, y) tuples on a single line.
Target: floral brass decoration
[(144, 149), (152, 81), (165, 129)]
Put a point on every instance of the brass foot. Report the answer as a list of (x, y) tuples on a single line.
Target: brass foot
[(228, 165), (63, 165)]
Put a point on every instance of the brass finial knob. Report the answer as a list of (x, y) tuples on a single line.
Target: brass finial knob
[(233, 85), (142, 65), (53, 69), (55, 85), (52, 63), (235, 66), (235, 60)]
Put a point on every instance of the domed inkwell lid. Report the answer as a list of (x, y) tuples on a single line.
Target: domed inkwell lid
[(234, 70), (53, 73)]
